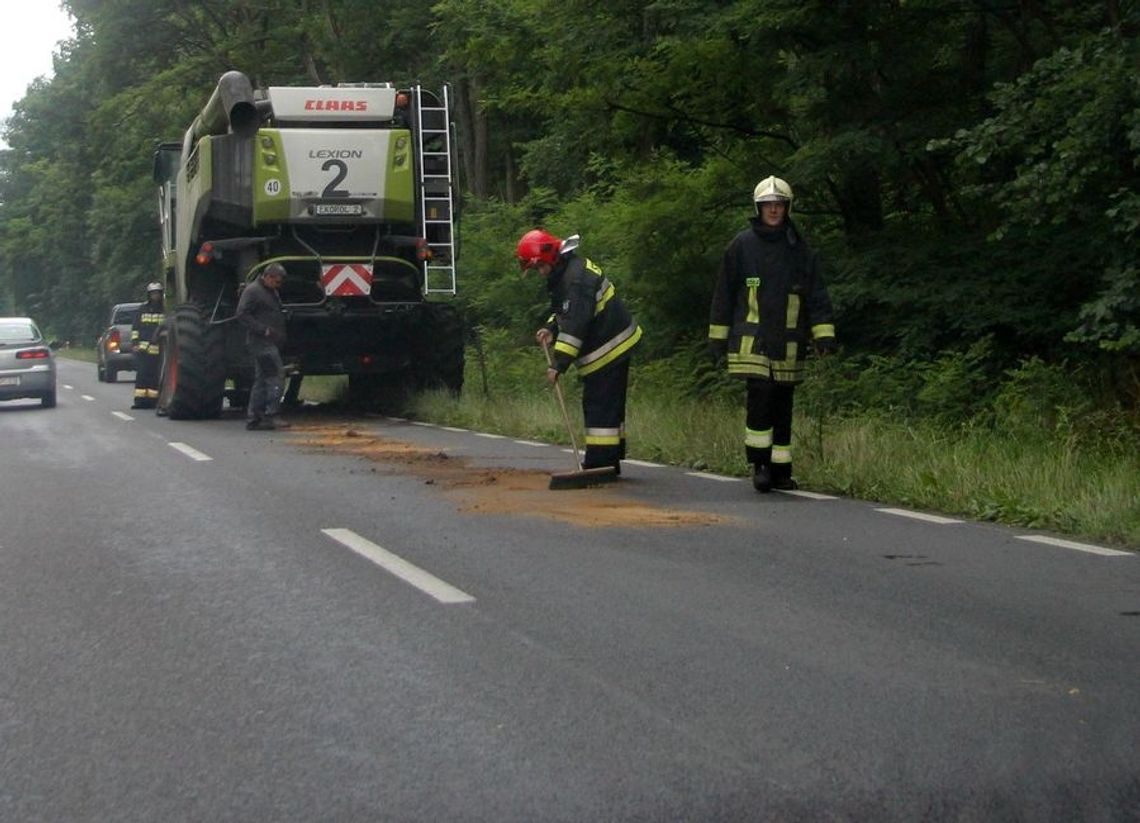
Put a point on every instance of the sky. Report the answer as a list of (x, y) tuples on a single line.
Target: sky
[(32, 29)]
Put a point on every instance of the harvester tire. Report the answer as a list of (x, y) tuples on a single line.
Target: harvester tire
[(193, 382), (439, 358)]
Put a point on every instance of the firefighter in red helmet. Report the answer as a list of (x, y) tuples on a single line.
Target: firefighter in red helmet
[(590, 328), (768, 304)]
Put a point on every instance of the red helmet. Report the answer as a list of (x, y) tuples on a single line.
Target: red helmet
[(538, 246)]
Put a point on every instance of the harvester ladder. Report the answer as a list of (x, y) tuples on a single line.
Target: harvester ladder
[(433, 149)]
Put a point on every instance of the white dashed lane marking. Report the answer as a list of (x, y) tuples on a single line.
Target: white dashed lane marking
[(711, 476), (121, 415), (190, 452), (929, 518), (413, 575), (87, 397), (808, 495), (1070, 544)]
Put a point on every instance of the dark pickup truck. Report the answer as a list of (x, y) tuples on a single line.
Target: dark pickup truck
[(113, 351)]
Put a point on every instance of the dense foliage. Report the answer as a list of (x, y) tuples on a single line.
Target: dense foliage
[(969, 167)]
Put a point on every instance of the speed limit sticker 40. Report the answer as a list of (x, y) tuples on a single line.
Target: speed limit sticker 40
[(272, 186)]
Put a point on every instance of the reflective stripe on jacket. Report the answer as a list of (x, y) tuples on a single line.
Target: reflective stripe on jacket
[(769, 302), (144, 331), (592, 327)]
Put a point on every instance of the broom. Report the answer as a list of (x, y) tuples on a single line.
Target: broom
[(580, 478)]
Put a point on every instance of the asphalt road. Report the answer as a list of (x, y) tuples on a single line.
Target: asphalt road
[(200, 623)]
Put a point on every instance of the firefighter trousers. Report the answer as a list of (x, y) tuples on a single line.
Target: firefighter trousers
[(603, 405), (768, 426), (147, 365)]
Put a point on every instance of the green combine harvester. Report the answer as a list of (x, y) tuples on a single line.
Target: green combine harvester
[(350, 187)]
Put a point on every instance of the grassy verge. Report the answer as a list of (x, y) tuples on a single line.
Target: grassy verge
[(85, 355)]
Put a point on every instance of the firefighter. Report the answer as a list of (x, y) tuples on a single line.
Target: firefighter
[(769, 303), (590, 328), (259, 310), (147, 349)]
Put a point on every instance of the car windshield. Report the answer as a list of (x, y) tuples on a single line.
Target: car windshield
[(18, 331)]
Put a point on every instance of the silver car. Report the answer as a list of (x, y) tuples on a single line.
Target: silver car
[(27, 363)]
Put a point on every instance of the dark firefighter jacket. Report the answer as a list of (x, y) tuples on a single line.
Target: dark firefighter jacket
[(769, 302), (144, 331), (259, 310), (592, 328)]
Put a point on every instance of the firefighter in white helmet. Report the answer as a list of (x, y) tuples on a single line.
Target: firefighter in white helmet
[(146, 347), (768, 305)]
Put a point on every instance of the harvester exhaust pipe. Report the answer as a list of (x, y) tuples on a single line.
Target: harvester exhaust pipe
[(230, 109)]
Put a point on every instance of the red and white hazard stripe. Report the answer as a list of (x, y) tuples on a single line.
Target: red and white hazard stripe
[(346, 279)]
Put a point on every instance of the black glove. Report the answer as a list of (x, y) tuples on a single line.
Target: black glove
[(825, 346), (718, 351)]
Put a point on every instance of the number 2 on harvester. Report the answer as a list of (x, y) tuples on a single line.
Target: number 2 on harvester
[(331, 189)]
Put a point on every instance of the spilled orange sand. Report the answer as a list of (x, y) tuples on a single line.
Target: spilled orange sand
[(499, 490)]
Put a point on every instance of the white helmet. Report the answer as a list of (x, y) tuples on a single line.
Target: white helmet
[(772, 189), (155, 286)]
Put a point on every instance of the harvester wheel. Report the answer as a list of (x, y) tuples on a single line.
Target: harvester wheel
[(193, 380), (439, 356)]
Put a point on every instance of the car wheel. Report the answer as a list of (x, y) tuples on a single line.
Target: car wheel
[(48, 400), (101, 372), (112, 375)]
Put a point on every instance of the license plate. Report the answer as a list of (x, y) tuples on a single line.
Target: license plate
[(9, 381), (338, 209)]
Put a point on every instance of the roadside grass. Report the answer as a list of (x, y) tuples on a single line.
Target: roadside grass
[(83, 354)]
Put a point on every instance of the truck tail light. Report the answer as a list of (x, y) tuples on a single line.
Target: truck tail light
[(33, 354), (423, 250), (205, 254)]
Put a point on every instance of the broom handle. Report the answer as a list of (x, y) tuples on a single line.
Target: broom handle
[(562, 404)]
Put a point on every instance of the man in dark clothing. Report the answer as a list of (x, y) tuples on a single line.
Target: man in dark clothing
[(259, 310), (769, 302), (146, 348), (590, 328)]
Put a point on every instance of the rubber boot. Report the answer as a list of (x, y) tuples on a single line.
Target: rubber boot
[(781, 475), (761, 478)]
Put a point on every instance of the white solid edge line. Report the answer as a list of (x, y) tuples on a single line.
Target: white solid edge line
[(453, 429), (121, 415), (427, 583), (711, 476), (1070, 544), (490, 436), (644, 463), (422, 423), (808, 495), (397, 419), (530, 443), (929, 518), (190, 452)]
